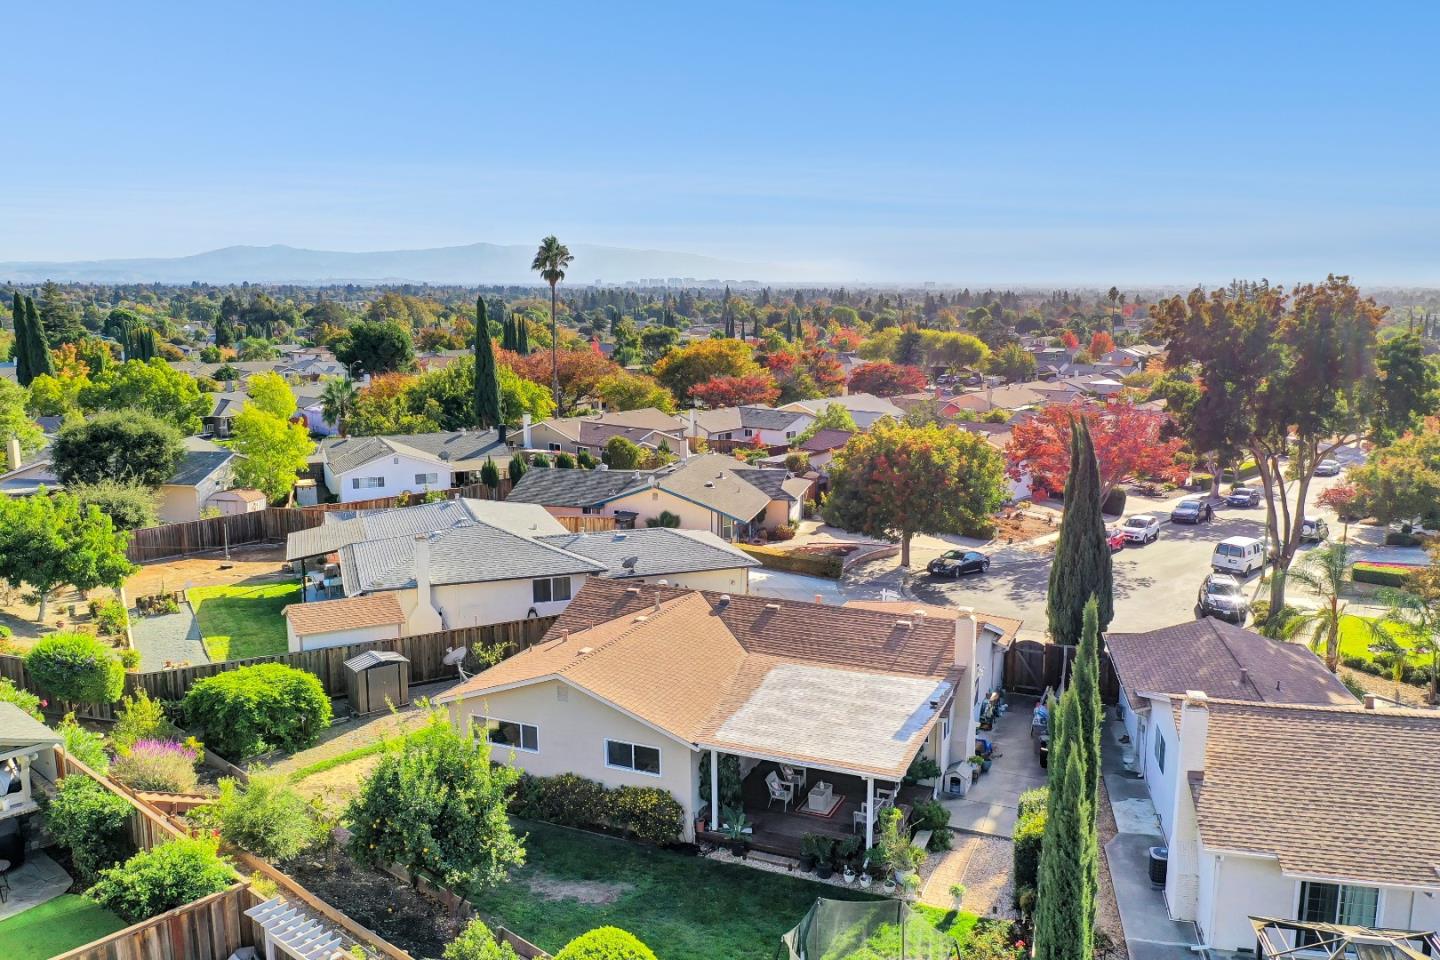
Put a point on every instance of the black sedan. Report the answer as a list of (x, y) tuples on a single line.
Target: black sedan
[(957, 563), (1222, 597)]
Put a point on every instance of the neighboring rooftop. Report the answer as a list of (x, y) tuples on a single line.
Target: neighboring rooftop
[(1224, 661), (201, 459), (826, 440), (557, 487), (349, 613), (653, 551), (463, 449)]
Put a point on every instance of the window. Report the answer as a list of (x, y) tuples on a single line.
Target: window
[(553, 446), (363, 483), (632, 756), (427, 479), (727, 528), (1160, 751), (520, 736), (551, 589), (1337, 903), (789, 434)]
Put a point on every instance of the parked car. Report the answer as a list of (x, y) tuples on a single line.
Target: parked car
[(1192, 510), (1327, 468), (1142, 528), (1243, 496), (1116, 540), (1222, 597), (1314, 531), (957, 563)]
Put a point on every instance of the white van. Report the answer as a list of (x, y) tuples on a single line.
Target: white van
[(1238, 555)]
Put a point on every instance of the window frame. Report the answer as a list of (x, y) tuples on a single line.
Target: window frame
[(605, 755), (550, 589), (493, 724), (366, 483), (1159, 751), (427, 479)]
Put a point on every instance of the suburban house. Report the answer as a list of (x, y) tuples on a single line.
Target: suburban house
[(1248, 747), (824, 707), (647, 427), (823, 446), (864, 408), (224, 408), (368, 468), (727, 497), (774, 428), (463, 563), (1015, 396)]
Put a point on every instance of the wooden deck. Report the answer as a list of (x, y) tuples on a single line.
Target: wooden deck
[(778, 831)]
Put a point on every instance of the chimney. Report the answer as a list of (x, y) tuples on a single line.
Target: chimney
[(1244, 677), (502, 430), (1194, 730), (424, 618), (525, 431), (12, 453), (965, 633), (693, 430)]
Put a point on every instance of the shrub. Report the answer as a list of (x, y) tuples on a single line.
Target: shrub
[(1033, 801), (564, 461), (1114, 503), (250, 710), (921, 768), (650, 814), (665, 519), (90, 821), (476, 942), (140, 718), (161, 765), (782, 533), (565, 799), (266, 816), (1401, 538), (1385, 574), (605, 943), (73, 666), (929, 815), (816, 565), (87, 746), (1028, 836), (111, 617), (24, 699), (162, 878)]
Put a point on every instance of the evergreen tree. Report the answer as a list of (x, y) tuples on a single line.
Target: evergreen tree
[(21, 350), (490, 474), (1069, 855), (1085, 738), (516, 469), (1082, 565), (522, 336), (38, 347), (487, 381)]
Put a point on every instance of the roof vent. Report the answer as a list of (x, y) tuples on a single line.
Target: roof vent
[(710, 484), (772, 606), (724, 599), (635, 591), (918, 614), (904, 624), (641, 619), (619, 536), (584, 651)]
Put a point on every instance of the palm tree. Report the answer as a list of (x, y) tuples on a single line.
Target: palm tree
[(337, 400), (550, 262), (1416, 612), (1325, 571)]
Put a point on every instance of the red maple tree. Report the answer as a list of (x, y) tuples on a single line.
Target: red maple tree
[(1127, 444), (1069, 339), (885, 379), (580, 371), (1101, 343), (754, 388)]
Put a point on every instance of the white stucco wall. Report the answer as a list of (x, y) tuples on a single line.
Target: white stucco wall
[(1162, 785), (398, 473), (649, 504), (339, 638), (480, 604), (572, 728)]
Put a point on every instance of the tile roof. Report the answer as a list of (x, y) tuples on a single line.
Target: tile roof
[(721, 483), (1225, 662), (1290, 781), (729, 668), (656, 551), (466, 553), (556, 487), (457, 448), (825, 440), (349, 613)]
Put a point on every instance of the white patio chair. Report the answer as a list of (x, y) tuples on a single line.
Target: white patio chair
[(779, 790), (860, 818), (795, 776), (886, 797)]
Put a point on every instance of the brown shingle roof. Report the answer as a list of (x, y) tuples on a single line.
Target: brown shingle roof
[(1338, 792), (1007, 626), (1224, 661), (327, 616)]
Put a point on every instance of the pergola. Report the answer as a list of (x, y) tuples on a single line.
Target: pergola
[(1278, 939)]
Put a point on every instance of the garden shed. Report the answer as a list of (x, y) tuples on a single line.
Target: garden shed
[(375, 679)]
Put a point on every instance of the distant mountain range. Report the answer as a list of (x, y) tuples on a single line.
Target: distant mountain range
[(474, 263)]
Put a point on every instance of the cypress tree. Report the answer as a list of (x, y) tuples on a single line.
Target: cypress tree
[(1084, 739), (39, 349), (522, 336), (507, 330), (516, 468), (487, 381), (490, 474), (1082, 565), (1069, 855), (21, 351)]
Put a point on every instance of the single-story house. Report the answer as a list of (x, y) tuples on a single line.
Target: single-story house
[(712, 492), (338, 623), (864, 408), (647, 427), (652, 686), (693, 559), (774, 428), (1252, 753), (368, 468), (823, 446)]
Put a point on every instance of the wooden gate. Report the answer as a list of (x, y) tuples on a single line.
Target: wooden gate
[(1033, 666)]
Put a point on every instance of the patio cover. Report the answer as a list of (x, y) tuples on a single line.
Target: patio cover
[(1280, 939)]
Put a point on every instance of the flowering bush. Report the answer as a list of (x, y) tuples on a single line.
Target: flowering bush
[(162, 765)]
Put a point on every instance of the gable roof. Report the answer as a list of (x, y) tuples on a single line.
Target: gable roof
[(201, 459), (557, 487), (854, 402), (325, 616), (728, 668), (1280, 779), (453, 448), (655, 551), (19, 729), (344, 527), (826, 440), (721, 483), (1225, 662), (753, 417), (466, 553)]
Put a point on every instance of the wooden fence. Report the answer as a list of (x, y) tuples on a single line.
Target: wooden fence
[(148, 826), (425, 651), (211, 928), (1033, 667)]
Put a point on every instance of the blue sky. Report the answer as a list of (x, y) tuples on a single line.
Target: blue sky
[(1076, 143)]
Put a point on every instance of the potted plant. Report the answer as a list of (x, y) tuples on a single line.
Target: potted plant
[(912, 885), (845, 851), (735, 827), (810, 851), (824, 854), (975, 762), (865, 877)]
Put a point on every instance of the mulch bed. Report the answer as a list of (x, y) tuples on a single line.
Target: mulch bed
[(395, 910)]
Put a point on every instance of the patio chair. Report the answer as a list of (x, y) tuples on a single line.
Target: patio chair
[(886, 797), (779, 790), (860, 818), (795, 776)]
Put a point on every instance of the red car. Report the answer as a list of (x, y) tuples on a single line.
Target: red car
[(1116, 539)]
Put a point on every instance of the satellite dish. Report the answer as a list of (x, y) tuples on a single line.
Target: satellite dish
[(454, 655), (629, 563)]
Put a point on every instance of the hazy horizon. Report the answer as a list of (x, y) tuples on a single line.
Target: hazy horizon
[(1129, 144)]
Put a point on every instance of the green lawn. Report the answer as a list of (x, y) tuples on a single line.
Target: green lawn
[(239, 622), (1356, 638), (681, 906), (54, 927)]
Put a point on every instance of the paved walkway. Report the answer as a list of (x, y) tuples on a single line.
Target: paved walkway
[(1150, 934), (991, 806), (39, 880)]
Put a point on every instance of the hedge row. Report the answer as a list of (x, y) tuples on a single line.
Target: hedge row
[(649, 814), (1028, 834), (1416, 674), (815, 566), (1385, 574)]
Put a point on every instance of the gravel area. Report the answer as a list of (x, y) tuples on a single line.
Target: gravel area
[(1107, 909), (169, 639), (1410, 694)]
